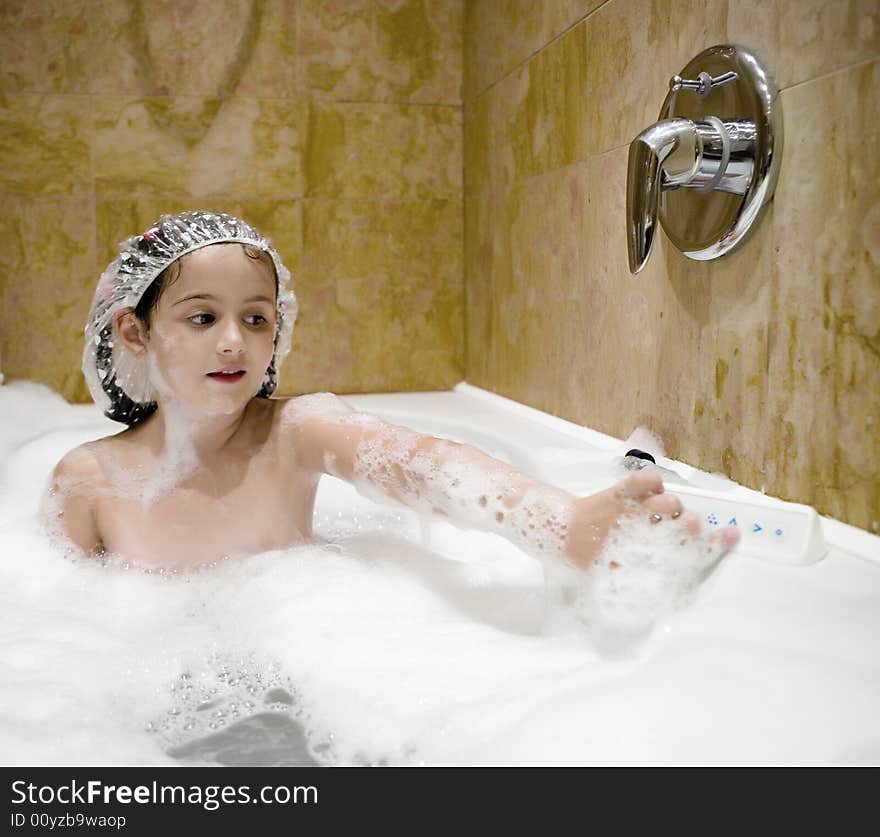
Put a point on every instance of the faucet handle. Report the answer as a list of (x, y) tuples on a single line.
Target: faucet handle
[(703, 83), (644, 175)]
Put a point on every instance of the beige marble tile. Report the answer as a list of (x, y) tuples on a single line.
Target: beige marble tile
[(44, 46), (488, 154), (553, 315), (383, 151), (381, 296), (617, 371), (532, 121), (479, 266), (524, 300), (189, 147), (389, 51), (716, 405), (824, 388), (480, 160), (488, 266), (47, 267), (540, 307), (635, 46), (208, 48), (273, 68), (820, 36), (45, 147), (501, 34)]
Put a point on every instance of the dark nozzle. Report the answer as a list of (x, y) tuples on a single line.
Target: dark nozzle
[(632, 464)]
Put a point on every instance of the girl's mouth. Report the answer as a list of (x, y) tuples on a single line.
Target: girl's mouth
[(227, 377)]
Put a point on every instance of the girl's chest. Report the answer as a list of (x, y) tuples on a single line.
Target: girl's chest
[(207, 517)]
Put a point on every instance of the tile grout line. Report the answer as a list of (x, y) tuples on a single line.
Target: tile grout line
[(830, 73), (538, 51)]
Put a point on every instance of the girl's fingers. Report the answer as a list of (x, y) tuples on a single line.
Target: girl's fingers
[(647, 488), (690, 522), (727, 538), (664, 504), (642, 485)]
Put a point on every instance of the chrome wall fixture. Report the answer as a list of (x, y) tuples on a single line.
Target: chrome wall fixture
[(708, 167)]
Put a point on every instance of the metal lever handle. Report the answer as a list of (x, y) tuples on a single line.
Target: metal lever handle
[(647, 153), (703, 83)]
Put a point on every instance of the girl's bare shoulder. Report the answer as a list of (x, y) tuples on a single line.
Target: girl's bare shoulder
[(78, 483), (306, 422), (295, 412), (85, 465)]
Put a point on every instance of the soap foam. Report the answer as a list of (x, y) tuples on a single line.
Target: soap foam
[(644, 573), (382, 651), (643, 439)]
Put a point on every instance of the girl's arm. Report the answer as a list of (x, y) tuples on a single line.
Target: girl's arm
[(476, 491), (432, 476)]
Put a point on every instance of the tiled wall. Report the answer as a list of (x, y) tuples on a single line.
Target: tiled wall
[(334, 127), (764, 365)]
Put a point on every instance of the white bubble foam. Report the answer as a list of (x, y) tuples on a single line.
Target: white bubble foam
[(387, 652), (644, 573), (643, 439)]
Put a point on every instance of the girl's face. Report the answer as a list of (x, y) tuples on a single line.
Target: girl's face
[(212, 332)]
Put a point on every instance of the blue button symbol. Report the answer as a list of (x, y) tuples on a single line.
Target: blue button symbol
[(779, 532), (758, 528), (733, 522)]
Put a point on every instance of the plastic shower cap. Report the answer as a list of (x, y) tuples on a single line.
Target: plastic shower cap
[(118, 381)]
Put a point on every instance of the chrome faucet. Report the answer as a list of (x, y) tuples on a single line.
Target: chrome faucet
[(644, 179), (704, 154)]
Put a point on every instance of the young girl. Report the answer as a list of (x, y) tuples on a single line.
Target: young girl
[(188, 328)]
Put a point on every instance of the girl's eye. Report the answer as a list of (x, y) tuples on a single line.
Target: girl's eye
[(201, 319), (256, 319)]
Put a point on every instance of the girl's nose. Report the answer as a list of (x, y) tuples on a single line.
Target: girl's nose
[(230, 340)]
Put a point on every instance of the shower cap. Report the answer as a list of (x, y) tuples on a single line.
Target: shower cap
[(118, 381)]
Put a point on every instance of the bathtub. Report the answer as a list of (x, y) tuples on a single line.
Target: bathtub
[(395, 639)]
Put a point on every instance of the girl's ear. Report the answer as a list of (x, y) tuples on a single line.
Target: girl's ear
[(130, 331)]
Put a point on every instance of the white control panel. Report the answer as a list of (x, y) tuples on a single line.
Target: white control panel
[(789, 533)]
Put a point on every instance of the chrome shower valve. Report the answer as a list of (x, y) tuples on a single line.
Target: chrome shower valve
[(703, 177)]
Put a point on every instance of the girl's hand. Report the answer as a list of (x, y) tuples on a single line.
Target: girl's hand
[(594, 517)]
